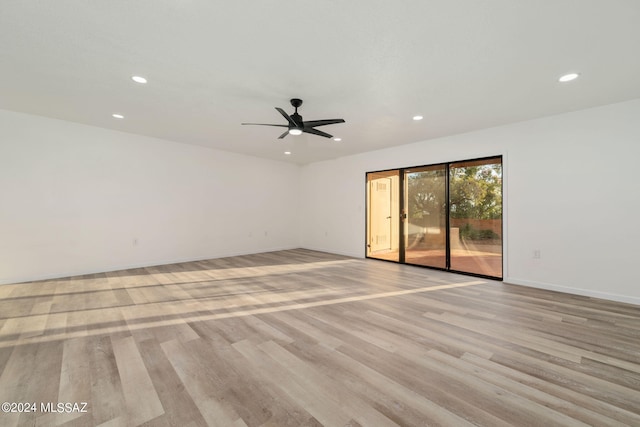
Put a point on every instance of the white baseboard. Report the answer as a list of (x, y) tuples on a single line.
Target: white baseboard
[(143, 264), (575, 291)]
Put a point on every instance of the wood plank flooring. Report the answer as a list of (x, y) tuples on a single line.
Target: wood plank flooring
[(303, 338)]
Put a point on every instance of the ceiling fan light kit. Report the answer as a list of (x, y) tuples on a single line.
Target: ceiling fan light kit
[(297, 126)]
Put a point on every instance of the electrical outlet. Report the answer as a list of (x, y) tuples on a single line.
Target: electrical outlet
[(135, 241)]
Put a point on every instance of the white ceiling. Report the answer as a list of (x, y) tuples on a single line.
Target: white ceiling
[(462, 64)]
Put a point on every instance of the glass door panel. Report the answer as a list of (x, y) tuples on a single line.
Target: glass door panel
[(475, 210), (383, 239), (424, 216)]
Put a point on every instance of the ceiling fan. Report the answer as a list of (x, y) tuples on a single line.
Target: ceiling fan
[(296, 126)]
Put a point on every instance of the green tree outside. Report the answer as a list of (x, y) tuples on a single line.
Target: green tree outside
[(475, 192)]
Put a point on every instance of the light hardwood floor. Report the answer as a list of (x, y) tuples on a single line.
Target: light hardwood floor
[(303, 338)]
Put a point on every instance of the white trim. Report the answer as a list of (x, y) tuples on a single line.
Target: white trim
[(573, 291)]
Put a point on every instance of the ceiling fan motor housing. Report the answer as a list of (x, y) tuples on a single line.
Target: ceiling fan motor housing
[(298, 119)]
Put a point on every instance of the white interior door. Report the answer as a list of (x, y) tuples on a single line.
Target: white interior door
[(380, 209)]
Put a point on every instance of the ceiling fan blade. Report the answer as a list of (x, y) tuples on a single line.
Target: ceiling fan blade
[(265, 124), (315, 123), (284, 134), (286, 116), (316, 132)]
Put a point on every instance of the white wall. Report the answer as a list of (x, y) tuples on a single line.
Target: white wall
[(73, 198), (572, 190)]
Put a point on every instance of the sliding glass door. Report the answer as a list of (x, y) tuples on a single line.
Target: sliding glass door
[(425, 216), (446, 216), (475, 216)]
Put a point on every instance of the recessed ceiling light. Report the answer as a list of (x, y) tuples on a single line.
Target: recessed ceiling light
[(117, 116), (416, 118), (287, 152), (139, 79), (337, 139), (568, 77)]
